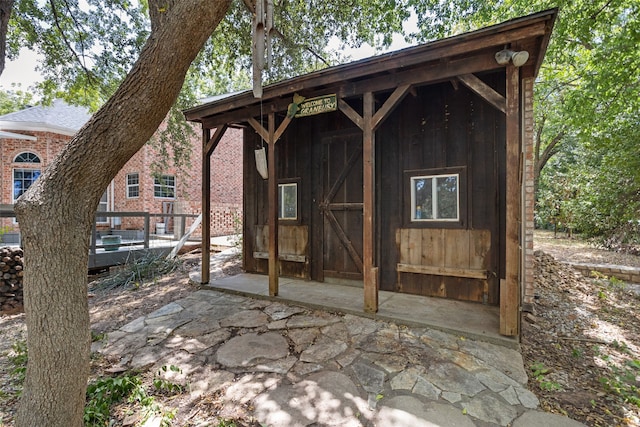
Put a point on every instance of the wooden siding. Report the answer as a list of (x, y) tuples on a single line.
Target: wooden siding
[(444, 126), (449, 263), (440, 126)]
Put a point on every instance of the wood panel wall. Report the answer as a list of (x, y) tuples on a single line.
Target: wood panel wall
[(443, 126), (450, 263), (437, 126)]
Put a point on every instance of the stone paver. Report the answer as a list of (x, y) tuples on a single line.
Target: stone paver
[(299, 367)]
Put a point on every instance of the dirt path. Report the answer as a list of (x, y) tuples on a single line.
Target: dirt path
[(575, 250)]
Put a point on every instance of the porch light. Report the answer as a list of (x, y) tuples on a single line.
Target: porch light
[(518, 58)]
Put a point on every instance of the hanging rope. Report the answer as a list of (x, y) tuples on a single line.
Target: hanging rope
[(261, 43)]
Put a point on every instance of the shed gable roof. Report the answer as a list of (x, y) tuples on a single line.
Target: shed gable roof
[(438, 60)]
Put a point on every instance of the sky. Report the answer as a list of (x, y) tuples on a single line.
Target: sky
[(21, 71)]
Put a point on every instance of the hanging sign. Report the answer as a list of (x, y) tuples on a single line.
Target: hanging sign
[(317, 105)]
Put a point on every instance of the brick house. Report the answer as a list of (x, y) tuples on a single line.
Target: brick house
[(31, 138)]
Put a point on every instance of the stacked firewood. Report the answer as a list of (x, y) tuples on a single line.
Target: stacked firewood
[(11, 271)]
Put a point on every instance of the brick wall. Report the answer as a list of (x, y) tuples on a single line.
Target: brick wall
[(226, 179), (529, 196), (46, 146)]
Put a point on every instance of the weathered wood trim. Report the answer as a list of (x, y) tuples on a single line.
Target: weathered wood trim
[(273, 208), (353, 253), (369, 272), (343, 175), (345, 206), (264, 134), (484, 90), (443, 271), (281, 257), (503, 34), (283, 126), (205, 267), (350, 113), (509, 287), (215, 140), (427, 74), (389, 105)]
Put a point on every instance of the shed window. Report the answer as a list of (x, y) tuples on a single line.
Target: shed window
[(164, 187), (133, 185), (288, 198), (435, 198)]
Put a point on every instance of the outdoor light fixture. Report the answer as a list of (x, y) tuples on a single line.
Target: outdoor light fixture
[(518, 58)]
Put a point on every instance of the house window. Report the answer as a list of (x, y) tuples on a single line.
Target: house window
[(435, 198), (133, 185), (164, 187), (26, 157), (288, 201), (22, 180), (103, 206)]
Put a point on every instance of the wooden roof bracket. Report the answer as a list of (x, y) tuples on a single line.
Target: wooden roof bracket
[(484, 90), (380, 115)]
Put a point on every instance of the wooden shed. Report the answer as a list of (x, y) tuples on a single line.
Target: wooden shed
[(407, 172)]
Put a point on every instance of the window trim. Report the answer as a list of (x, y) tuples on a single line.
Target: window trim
[(13, 180), (435, 201), (408, 191), (34, 160), (103, 219), (131, 186), (157, 184), (289, 182)]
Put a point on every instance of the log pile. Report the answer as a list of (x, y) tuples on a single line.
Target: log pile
[(11, 271)]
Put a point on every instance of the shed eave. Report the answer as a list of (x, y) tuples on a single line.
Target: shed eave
[(402, 58)]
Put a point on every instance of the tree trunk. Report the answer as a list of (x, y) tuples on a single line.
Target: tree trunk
[(57, 212), (5, 13)]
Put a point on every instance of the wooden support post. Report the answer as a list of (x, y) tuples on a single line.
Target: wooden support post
[(209, 144), (368, 156), (271, 136), (273, 209), (510, 288), (205, 267)]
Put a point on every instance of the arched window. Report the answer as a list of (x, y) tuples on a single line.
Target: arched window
[(26, 157)]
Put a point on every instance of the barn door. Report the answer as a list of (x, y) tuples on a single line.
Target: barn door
[(341, 206)]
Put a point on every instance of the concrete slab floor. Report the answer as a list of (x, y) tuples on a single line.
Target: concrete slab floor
[(471, 320)]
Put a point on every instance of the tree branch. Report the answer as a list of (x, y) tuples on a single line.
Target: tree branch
[(67, 42), (549, 150), (595, 15), (287, 41)]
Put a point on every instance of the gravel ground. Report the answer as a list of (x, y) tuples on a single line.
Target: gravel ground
[(581, 344)]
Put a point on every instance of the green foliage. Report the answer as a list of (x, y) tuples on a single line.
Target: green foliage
[(539, 372), (586, 107), (164, 385), (18, 359), (622, 381), (104, 392), (97, 336), (14, 100)]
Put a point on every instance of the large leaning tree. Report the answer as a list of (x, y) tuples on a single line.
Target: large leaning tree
[(57, 212)]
